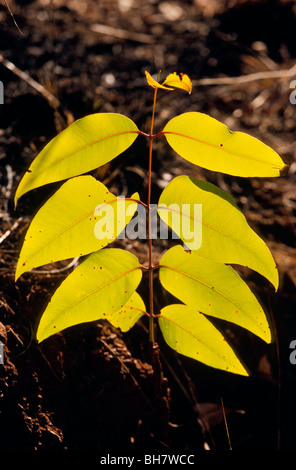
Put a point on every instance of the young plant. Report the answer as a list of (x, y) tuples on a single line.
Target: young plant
[(83, 217)]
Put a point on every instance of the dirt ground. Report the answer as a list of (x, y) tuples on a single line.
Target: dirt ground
[(90, 387)]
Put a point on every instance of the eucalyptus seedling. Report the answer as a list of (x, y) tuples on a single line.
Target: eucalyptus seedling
[(83, 217)]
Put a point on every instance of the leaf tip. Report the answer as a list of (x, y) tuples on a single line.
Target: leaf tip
[(244, 373), (39, 338), (284, 170), (43, 333), (18, 272), (135, 196), (275, 280)]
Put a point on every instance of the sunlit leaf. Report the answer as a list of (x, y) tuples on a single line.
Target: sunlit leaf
[(226, 235), (126, 317), (154, 83), (85, 145), (213, 289), (206, 142), (172, 80), (100, 286), (183, 82), (190, 333), (66, 225)]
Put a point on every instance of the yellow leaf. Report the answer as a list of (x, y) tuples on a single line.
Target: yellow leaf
[(154, 83), (126, 317), (173, 80), (88, 143), (225, 235), (100, 286), (208, 143), (213, 289), (67, 225), (190, 333)]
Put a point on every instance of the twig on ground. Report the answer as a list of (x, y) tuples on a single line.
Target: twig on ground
[(121, 33), (269, 74), (8, 232), (58, 270), (33, 83), (13, 18)]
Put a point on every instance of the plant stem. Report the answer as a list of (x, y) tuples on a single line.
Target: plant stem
[(150, 266)]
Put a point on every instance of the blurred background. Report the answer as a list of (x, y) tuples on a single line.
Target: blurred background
[(87, 387)]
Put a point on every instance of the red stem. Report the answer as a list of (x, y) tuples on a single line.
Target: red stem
[(150, 266)]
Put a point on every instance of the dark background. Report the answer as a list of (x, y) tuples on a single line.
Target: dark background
[(89, 388)]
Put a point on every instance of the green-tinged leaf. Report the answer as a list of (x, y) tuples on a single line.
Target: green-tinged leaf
[(98, 287), (85, 145), (226, 235), (80, 218), (213, 289), (190, 333), (129, 314), (206, 142)]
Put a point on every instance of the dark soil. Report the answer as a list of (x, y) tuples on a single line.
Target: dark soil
[(91, 387)]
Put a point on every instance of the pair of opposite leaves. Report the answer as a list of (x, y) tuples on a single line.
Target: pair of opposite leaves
[(104, 285)]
